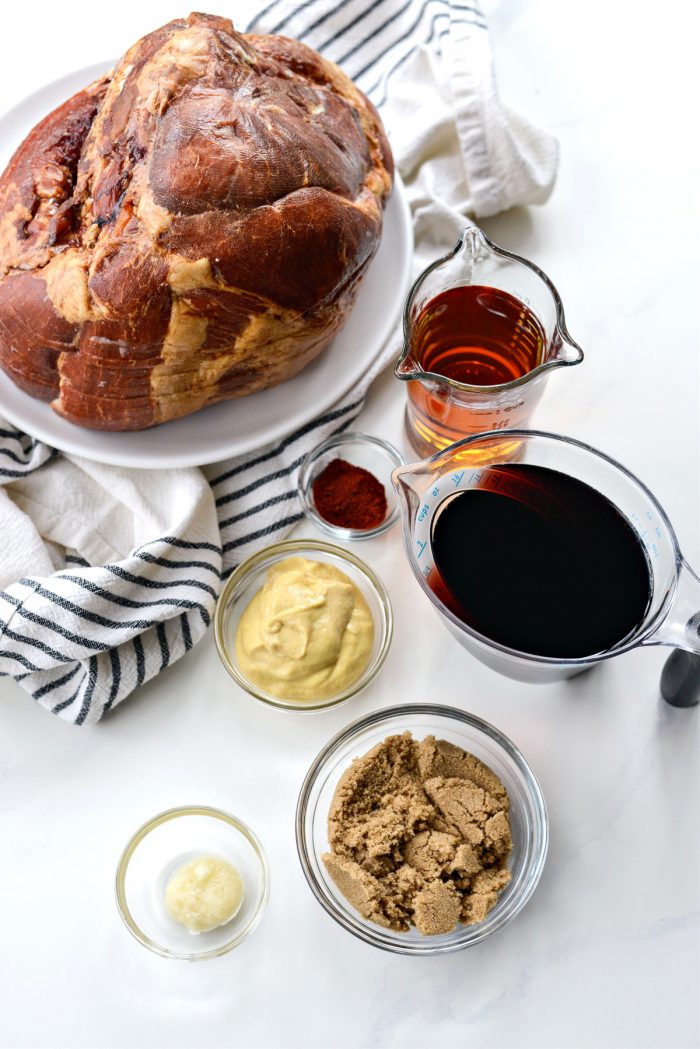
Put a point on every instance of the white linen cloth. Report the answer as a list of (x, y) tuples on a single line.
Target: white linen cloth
[(108, 575)]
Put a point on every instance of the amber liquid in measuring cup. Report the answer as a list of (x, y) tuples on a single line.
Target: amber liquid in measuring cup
[(478, 336)]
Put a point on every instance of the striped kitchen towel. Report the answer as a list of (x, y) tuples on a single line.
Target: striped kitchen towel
[(109, 575)]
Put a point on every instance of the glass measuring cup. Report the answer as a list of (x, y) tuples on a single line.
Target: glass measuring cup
[(673, 614), (441, 410)]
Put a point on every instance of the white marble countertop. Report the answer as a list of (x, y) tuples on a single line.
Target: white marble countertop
[(607, 952)]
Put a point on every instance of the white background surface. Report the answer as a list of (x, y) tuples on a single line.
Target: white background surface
[(607, 952)]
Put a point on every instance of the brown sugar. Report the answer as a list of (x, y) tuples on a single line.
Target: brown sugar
[(419, 835)]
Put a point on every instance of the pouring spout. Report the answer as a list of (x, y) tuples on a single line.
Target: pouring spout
[(399, 479), (406, 480), (407, 367), (568, 351), (473, 243)]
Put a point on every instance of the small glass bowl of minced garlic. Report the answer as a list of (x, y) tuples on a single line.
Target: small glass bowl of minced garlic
[(192, 883)]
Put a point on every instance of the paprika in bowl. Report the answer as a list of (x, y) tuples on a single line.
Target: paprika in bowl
[(303, 625), (345, 486)]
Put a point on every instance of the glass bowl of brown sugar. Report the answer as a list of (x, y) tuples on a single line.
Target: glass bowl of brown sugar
[(345, 486), (343, 767)]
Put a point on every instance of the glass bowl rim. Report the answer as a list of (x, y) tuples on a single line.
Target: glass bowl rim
[(529, 879), (142, 832), (304, 478), (292, 546)]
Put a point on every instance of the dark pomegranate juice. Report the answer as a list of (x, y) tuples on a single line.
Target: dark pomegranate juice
[(540, 562)]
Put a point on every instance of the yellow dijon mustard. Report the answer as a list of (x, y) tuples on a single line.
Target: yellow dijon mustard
[(307, 633)]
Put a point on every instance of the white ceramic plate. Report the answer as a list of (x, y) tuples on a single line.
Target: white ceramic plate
[(233, 427)]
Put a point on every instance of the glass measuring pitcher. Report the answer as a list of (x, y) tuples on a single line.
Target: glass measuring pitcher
[(483, 328), (672, 615)]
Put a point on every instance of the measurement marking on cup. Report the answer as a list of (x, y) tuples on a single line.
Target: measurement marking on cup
[(457, 478), (421, 547)]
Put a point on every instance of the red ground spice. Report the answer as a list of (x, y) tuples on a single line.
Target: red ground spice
[(349, 496)]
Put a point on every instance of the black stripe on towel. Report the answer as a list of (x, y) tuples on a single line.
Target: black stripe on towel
[(128, 602), (140, 661), (35, 643), (19, 658), (78, 639), (405, 36), (395, 43), (261, 14), (75, 559), (93, 617), (167, 562), (87, 698), (152, 584), (359, 44), (22, 459), (186, 634), (274, 501), (298, 8), (276, 476), (116, 678), (364, 12), (440, 16), (71, 699), (337, 38), (45, 689), (254, 485), (164, 646), (280, 447), (185, 544), (286, 521), (14, 473)]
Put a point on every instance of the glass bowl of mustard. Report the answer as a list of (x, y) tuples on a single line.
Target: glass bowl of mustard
[(345, 486), (303, 625), (343, 756), (165, 847)]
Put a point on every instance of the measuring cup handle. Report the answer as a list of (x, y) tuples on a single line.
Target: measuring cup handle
[(680, 679), (680, 627)]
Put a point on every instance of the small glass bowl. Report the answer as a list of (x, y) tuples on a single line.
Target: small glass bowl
[(248, 578), (158, 849), (360, 449), (528, 819)]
